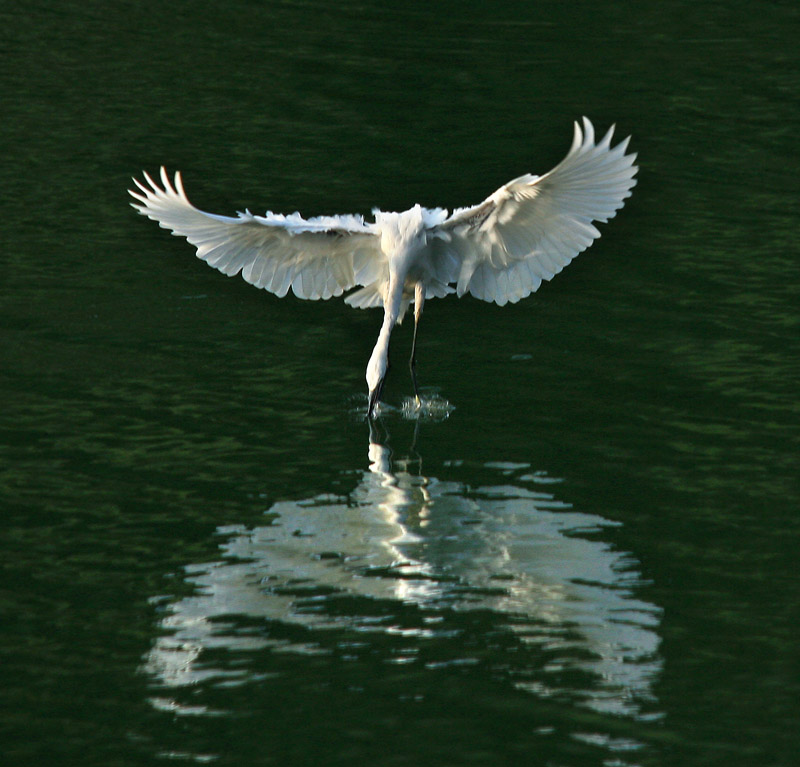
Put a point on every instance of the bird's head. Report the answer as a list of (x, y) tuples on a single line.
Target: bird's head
[(376, 374)]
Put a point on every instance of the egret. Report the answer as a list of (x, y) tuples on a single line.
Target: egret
[(498, 251)]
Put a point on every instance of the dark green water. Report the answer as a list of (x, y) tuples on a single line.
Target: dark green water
[(207, 558)]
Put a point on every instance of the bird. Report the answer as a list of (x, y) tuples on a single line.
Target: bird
[(498, 251)]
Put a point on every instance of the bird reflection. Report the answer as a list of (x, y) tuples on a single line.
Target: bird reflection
[(507, 547)]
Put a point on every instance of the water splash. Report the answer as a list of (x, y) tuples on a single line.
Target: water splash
[(429, 407)]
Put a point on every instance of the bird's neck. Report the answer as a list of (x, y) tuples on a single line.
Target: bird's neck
[(379, 360)]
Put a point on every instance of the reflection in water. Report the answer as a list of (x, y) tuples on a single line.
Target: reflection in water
[(508, 549)]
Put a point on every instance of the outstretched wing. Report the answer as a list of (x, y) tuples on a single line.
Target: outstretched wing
[(316, 258), (531, 228)]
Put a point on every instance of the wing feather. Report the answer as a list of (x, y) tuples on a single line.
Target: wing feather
[(532, 227), (315, 258)]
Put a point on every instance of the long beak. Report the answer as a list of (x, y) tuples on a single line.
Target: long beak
[(374, 396)]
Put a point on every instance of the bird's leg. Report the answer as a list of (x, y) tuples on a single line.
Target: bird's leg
[(412, 363), (419, 300)]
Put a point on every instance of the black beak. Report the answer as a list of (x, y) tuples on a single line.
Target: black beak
[(374, 396)]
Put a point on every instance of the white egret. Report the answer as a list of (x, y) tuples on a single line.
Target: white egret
[(501, 250)]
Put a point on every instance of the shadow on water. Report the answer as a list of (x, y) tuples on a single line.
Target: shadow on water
[(406, 581)]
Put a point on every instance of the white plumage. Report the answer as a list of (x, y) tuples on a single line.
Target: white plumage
[(500, 250)]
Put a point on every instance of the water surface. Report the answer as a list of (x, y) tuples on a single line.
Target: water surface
[(209, 559)]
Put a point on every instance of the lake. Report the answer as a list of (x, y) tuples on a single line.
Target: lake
[(209, 556)]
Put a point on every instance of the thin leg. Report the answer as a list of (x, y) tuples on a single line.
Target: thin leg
[(412, 365), (419, 300)]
